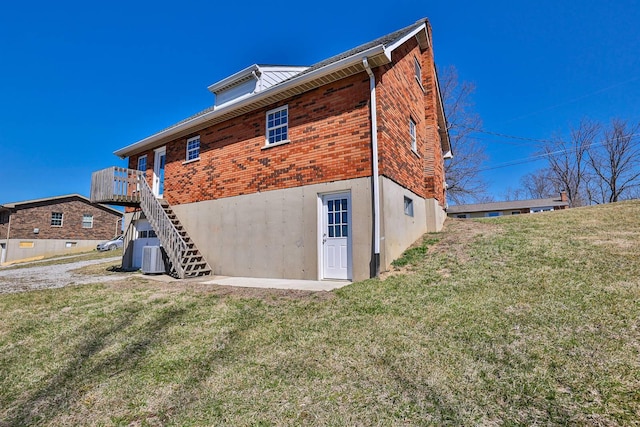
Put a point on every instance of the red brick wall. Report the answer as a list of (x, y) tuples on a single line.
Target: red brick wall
[(401, 98), (433, 160), (329, 132), (38, 215)]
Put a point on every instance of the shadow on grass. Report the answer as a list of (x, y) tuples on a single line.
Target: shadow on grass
[(62, 388)]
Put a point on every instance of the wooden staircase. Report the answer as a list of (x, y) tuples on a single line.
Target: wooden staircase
[(128, 187), (192, 262)]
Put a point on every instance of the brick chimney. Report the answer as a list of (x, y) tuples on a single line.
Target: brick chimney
[(563, 196)]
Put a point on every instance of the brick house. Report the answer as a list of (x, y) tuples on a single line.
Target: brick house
[(322, 172), (34, 229)]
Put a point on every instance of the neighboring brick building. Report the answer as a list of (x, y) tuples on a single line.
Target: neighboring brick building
[(56, 225), (259, 180)]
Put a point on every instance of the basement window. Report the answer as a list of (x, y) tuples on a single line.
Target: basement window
[(408, 206), (56, 219)]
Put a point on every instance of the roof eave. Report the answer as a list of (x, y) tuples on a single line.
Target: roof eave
[(168, 134)]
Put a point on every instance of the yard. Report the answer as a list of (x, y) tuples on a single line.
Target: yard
[(531, 320)]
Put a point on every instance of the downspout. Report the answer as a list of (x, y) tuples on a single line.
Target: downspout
[(374, 160)]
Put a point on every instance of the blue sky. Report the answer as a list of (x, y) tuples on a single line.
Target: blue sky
[(79, 80)]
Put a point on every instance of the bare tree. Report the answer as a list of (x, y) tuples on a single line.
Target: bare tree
[(540, 184), (568, 160), (616, 162), (462, 172)]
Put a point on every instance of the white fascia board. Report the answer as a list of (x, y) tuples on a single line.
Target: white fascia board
[(295, 81), (403, 39), (242, 74)]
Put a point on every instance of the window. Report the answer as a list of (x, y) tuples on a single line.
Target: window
[(542, 209), (56, 219), (4, 217), (417, 70), (515, 213), (87, 221), (278, 125), (493, 214), (462, 216), (412, 133), (408, 206), (142, 163), (193, 148)]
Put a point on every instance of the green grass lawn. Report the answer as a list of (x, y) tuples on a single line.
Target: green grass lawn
[(526, 320)]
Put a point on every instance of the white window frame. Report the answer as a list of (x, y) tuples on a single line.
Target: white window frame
[(142, 159), (541, 209), (417, 70), (61, 219), (274, 128), (87, 223), (192, 151), (408, 206), (412, 134)]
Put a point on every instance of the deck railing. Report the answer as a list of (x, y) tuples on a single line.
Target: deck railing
[(117, 185)]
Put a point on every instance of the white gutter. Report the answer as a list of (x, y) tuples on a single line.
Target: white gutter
[(289, 84), (375, 173)]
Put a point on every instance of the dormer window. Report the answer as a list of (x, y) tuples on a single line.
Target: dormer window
[(278, 125)]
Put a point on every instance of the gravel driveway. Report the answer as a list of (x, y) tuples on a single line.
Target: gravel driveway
[(50, 276)]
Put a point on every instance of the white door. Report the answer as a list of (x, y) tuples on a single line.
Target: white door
[(159, 162), (336, 236), (145, 236), (3, 252)]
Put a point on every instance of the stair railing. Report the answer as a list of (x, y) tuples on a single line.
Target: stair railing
[(172, 242)]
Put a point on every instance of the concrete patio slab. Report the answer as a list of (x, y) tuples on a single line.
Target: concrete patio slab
[(254, 282)]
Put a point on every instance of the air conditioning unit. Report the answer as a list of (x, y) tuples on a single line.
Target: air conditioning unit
[(152, 261)]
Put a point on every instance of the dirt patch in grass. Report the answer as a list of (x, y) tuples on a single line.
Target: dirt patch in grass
[(458, 234), (172, 287)]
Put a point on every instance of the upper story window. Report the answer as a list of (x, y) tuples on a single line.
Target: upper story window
[(87, 221), (193, 148), (278, 125), (56, 219), (412, 134), (142, 163), (417, 70)]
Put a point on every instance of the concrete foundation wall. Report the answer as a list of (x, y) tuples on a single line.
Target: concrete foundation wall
[(44, 248), (400, 230), (276, 233), (436, 215)]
